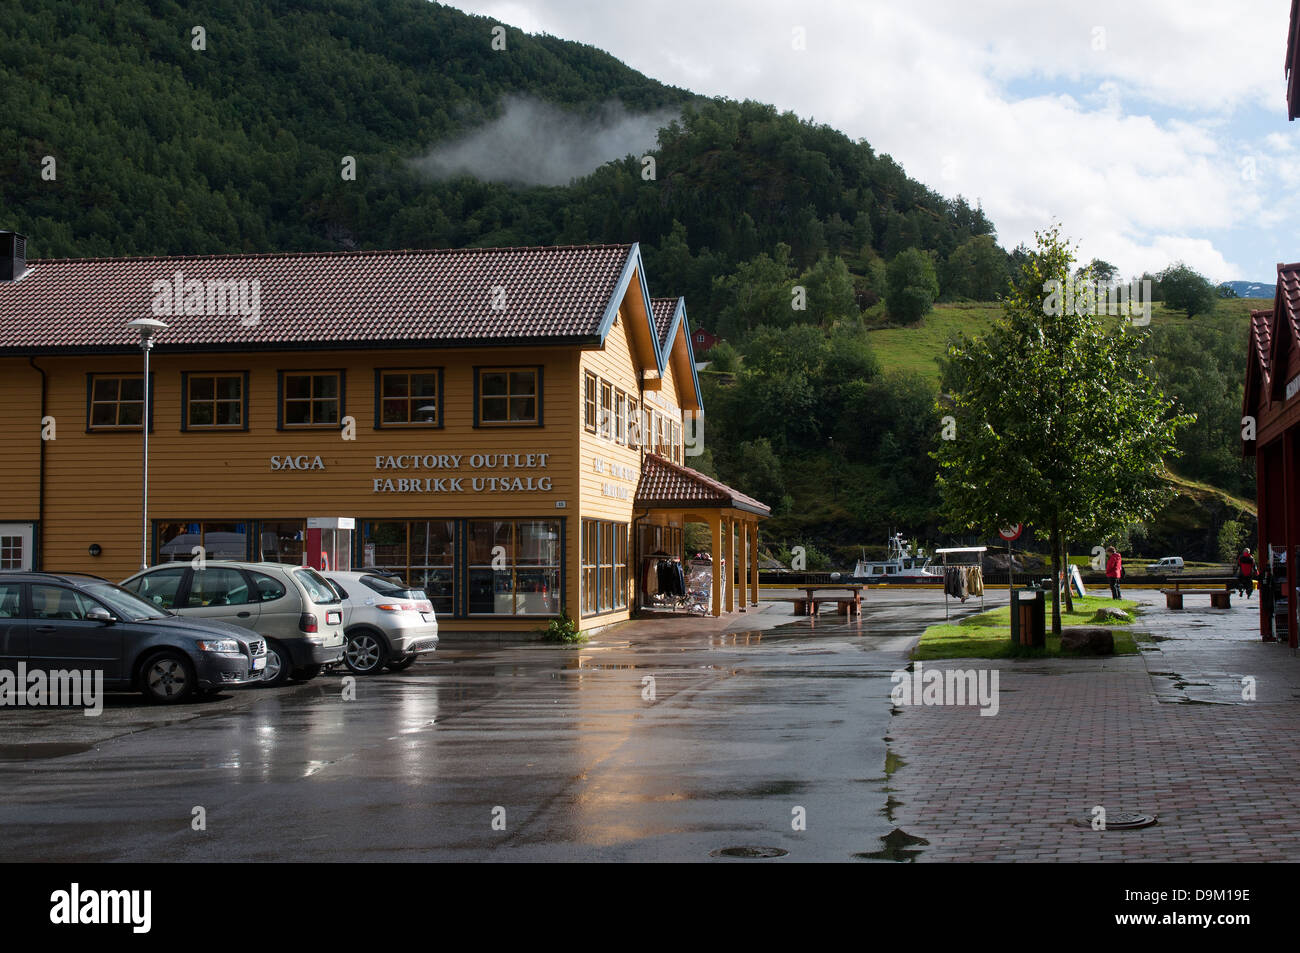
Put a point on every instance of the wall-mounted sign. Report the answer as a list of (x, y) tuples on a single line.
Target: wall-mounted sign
[(463, 484), (300, 462)]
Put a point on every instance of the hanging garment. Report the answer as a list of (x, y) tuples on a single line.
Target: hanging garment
[(975, 581), (651, 577), (680, 578)]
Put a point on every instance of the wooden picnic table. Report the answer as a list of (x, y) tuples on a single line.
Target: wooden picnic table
[(807, 605)]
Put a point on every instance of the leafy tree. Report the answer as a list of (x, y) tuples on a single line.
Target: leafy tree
[(757, 471), (1058, 421), (911, 285), (1232, 538), (1102, 271), (723, 357), (1226, 290), (1187, 290), (977, 269)]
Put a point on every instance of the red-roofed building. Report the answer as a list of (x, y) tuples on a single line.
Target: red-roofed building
[(1270, 418), (483, 417)]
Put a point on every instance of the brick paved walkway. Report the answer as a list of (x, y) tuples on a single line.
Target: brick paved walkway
[(1165, 732)]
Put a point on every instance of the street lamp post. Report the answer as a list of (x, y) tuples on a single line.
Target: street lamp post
[(148, 328)]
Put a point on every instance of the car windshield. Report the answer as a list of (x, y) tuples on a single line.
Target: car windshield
[(126, 605), (317, 588)]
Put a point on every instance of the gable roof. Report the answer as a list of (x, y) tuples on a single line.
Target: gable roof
[(667, 484), (444, 297), (671, 322)]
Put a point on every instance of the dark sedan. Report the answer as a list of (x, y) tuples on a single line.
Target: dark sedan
[(65, 621)]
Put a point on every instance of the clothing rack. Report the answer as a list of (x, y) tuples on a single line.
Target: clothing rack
[(675, 595), (963, 558)]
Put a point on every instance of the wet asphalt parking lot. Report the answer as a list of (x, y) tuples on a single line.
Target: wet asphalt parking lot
[(523, 752)]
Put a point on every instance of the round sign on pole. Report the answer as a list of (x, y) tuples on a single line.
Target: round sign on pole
[(1011, 532)]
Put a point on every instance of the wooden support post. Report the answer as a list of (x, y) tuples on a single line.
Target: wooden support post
[(716, 525), (731, 564), (742, 564), (753, 563)]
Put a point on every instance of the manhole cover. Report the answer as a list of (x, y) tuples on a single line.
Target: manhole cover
[(1127, 820), (749, 853)]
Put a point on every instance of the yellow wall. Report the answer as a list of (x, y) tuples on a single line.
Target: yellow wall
[(93, 479)]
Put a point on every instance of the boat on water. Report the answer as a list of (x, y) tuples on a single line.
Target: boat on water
[(902, 565)]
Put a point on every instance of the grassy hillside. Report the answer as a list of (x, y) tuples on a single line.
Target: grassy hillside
[(918, 347)]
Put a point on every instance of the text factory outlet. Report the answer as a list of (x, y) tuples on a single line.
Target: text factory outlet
[(507, 428)]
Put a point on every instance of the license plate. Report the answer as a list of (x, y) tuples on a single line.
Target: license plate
[(427, 616), (333, 618), (259, 664)]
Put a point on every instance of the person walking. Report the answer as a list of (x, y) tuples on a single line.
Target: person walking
[(1246, 570), (1114, 570)]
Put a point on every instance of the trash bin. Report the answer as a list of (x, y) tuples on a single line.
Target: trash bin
[(1028, 617)]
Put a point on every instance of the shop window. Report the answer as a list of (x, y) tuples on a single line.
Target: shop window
[(513, 567), (218, 540), (115, 402), (214, 401), (589, 401), (604, 566), (508, 396), (281, 541), (606, 410), (422, 552), (408, 398), (620, 417), (311, 399)]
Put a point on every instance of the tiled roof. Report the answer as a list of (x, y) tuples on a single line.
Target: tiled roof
[(664, 309), (666, 484), (369, 298), (1261, 331)]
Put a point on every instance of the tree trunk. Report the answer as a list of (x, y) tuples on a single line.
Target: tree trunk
[(1065, 565), (1056, 575)]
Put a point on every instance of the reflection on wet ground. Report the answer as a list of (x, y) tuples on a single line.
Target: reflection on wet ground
[(663, 740)]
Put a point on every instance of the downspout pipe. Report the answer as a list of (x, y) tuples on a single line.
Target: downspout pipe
[(39, 555)]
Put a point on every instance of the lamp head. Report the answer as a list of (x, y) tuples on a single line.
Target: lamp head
[(148, 327)]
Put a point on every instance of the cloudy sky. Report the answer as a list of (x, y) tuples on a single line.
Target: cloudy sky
[(1154, 130)]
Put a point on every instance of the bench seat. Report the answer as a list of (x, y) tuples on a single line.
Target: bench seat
[(1219, 598)]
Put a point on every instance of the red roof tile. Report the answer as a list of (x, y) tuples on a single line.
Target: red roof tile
[(664, 309), (666, 484), (436, 296)]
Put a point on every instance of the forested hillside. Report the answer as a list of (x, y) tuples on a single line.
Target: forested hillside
[(785, 236)]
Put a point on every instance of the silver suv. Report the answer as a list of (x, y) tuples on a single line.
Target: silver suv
[(293, 607), (385, 621)]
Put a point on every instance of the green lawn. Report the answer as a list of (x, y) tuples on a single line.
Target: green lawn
[(988, 634)]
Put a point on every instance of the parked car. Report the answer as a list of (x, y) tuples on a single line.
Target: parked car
[(293, 607), (385, 622), (77, 621), (1167, 564)]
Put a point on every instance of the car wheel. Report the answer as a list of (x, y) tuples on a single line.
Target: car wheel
[(402, 664), (307, 672), (167, 678), (279, 664), (365, 652)]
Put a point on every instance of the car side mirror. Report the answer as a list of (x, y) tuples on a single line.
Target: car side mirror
[(100, 614)]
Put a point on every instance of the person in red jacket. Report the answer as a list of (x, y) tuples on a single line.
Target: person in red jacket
[(1246, 570), (1114, 570)]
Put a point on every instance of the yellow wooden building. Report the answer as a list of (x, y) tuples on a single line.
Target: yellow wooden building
[(509, 428)]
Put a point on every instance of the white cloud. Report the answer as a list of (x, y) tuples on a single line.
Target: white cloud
[(1119, 118)]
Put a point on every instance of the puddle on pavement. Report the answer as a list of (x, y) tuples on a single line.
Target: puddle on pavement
[(892, 763), (41, 750), (898, 846), (888, 810)]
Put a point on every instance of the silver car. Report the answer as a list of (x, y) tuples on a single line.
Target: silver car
[(293, 607), (385, 622)]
